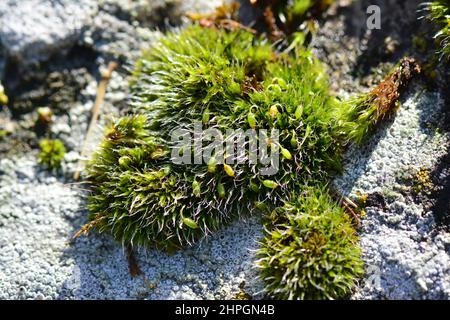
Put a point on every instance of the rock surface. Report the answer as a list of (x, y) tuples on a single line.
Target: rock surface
[(406, 255), (33, 30), (38, 260)]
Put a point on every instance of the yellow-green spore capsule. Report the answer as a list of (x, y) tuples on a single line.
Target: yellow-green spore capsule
[(196, 188), (205, 116), (299, 111), (212, 164), (190, 223), (221, 190), (125, 161), (293, 141), (273, 111), (228, 169), (270, 184), (251, 118), (286, 153), (3, 97)]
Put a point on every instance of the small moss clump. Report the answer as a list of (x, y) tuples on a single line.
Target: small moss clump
[(439, 13), (242, 295), (52, 153), (312, 250), (422, 183), (371, 108)]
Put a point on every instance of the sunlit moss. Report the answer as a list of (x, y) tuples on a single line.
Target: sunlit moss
[(223, 79), (311, 251), (439, 13), (233, 79), (52, 153)]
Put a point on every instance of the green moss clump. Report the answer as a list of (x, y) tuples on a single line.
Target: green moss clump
[(226, 80), (439, 12), (232, 79), (52, 153), (312, 251)]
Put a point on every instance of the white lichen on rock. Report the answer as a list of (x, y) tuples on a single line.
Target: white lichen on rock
[(406, 258)]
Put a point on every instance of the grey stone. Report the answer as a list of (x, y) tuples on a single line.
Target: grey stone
[(33, 30)]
